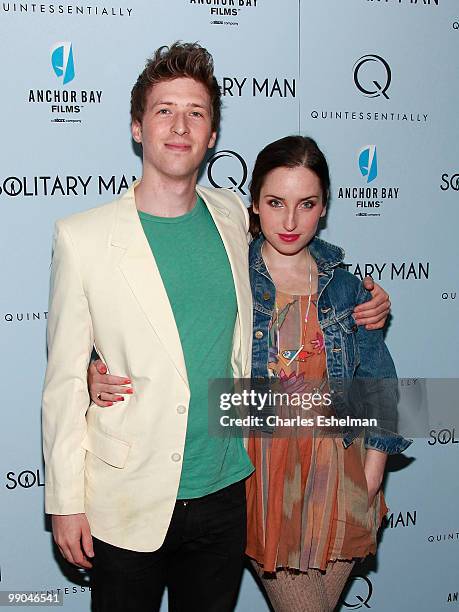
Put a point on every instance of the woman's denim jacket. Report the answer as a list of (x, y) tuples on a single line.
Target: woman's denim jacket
[(352, 352)]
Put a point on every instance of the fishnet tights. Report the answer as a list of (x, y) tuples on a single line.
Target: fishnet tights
[(311, 591)]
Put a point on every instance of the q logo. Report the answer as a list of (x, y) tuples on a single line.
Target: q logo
[(372, 76), (363, 595), (62, 61), (368, 162), (219, 174)]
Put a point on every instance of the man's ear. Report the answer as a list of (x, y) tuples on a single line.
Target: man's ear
[(212, 140), (136, 131)]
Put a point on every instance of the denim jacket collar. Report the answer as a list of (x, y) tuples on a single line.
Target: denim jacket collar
[(326, 255)]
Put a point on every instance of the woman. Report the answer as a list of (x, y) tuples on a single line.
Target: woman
[(314, 502)]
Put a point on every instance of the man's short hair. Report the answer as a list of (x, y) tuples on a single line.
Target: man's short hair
[(179, 60)]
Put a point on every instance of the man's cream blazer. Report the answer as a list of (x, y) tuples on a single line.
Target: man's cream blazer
[(122, 465)]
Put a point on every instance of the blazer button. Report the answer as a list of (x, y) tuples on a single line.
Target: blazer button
[(176, 457), (181, 409), (258, 334), (266, 296)]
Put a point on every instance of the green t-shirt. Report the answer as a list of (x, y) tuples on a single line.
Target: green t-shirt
[(196, 273)]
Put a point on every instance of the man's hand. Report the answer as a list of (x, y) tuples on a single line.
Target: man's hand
[(104, 388), (373, 314), (73, 537)]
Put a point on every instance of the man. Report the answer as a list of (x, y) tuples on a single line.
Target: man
[(156, 282)]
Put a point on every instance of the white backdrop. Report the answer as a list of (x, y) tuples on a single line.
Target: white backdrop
[(374, 76)]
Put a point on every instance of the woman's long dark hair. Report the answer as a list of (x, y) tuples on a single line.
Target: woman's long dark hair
[(288, 152)]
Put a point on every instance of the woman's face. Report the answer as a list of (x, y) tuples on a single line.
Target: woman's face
[(290, 206)]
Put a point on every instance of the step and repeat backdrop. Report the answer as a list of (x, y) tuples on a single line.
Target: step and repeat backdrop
[(376, 83)]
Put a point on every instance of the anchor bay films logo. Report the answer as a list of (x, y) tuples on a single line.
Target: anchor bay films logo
[(224, 12), (368, 162), (372, 78), (64, 103), (368, 199), (62, 62)]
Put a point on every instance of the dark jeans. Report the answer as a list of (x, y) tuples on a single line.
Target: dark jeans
[(200, 561)]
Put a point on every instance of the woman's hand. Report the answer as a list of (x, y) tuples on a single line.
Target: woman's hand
[(373, 314), (104, 388), (375, 463)]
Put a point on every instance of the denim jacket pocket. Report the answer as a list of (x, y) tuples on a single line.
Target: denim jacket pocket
[(348, 328)]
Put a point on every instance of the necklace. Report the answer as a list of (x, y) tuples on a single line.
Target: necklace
[(276, 306)]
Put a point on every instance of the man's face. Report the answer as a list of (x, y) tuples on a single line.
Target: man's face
[(176, 128)]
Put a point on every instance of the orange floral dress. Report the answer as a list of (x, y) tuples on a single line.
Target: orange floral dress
[(307, 501)]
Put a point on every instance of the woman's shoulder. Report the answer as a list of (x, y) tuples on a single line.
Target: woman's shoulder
[(329, 255), (347, 277), (346, 287)]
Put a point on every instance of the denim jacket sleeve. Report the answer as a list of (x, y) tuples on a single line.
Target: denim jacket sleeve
[(377, 384)]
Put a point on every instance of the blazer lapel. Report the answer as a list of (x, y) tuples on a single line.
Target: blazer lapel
[(238, 260), (141, 273)]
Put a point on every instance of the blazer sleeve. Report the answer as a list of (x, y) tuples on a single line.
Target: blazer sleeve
[(65, 395)]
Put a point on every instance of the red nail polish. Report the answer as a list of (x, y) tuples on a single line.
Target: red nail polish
[(130, 391), (110, 403), (127, 381), (120, 399)]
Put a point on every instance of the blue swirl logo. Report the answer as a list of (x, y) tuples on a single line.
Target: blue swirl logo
[(62, 61)]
